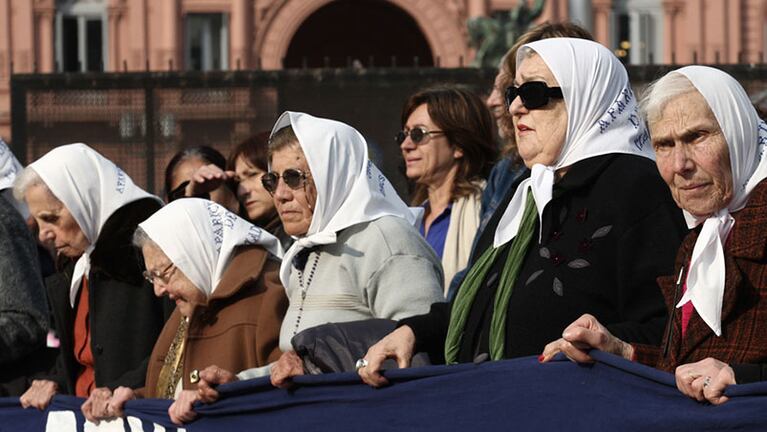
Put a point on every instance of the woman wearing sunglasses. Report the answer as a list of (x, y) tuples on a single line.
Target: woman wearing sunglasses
[(588, 232), (229, 301), (448, 146), (106, 316), (356, 255)]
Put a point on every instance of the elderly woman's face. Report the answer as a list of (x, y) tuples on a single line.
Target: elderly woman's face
[(540, 133), (168, 280), (692, 155), (57, 227), (432, 159), (295, 206)]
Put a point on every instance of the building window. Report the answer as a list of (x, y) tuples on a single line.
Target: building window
[(80, 36), (207, 42)]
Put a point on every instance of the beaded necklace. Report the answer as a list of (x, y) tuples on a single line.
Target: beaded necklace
[(305, 288)]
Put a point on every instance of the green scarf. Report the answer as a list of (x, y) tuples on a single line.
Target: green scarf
[(476, 276)]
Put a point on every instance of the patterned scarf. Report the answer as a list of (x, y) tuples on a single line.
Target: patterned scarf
[(474, 279), (173, 366)]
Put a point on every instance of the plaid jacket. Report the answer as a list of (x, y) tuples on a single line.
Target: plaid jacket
[(744, 307)]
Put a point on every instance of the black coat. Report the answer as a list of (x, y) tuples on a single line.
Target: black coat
[(125, 316), (610, 230)]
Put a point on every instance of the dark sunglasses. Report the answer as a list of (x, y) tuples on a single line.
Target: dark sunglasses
[(534, 94), (292, 177), (417, 134)]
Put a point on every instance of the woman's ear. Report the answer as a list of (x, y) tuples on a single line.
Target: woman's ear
[(457, 153)]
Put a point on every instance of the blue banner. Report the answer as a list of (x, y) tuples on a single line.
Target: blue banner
[(520, 394)]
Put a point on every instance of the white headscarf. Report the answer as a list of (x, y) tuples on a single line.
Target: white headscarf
[(200, 236), (746, 137), (9, 169), (350, 188), (602, 118), (92, 188)]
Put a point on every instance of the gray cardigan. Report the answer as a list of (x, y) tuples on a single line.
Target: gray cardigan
[(377, 269)]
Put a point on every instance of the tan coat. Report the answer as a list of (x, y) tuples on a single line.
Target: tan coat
[(240, 327)]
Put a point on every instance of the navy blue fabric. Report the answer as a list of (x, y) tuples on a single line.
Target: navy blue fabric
[(518, 394)]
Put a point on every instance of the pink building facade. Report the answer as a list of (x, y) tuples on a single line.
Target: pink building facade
[(136, 35)]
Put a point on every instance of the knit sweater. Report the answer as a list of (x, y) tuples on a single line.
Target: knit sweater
[(378, 269)]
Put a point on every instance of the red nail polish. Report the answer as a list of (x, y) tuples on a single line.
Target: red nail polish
[(540, 358)]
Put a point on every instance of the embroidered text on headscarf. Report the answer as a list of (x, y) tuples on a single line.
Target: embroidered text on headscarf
[(200, 237), (92, 188), (9, 169), (746, 138), (350, 188), (602, 118)]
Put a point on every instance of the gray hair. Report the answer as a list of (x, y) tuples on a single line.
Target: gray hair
[(282, 139), (661, 92), (28, 178), (141, 239)]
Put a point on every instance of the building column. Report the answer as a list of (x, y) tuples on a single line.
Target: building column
[(45, 53), (602, 26), (671, 9), (115, 56), (477, 8), (242, 35)]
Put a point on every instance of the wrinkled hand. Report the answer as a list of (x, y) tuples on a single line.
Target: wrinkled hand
[(206, 179), (582, 335), (288, 366), (210, 378), (96, 408), (181, 411), (39, 394), (398, 345), (705, 380), (119, 397)]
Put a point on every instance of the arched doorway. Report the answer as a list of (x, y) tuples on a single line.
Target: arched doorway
[(368, 31)]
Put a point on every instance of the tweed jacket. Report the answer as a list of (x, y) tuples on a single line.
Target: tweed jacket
[(238, 329), (744, 307)]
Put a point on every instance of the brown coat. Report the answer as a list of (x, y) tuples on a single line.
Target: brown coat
[(744, 306), (240, 327)]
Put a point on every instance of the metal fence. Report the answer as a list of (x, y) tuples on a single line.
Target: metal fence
[(139, 120)]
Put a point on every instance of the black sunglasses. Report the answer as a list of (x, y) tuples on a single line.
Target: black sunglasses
[(534, 94), (417, 134), (292, 177)]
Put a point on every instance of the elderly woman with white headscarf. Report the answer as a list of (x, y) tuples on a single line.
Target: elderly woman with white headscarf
[(710, 146), (589, 231), (106, 316), (356, 255), (223, 274)]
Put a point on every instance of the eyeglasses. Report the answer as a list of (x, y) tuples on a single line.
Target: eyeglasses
[(162, 276), (294, 178), (534, 94), (417, 134)]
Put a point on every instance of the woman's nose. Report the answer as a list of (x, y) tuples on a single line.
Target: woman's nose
[(682, 160), (517, 107), (159, 288)]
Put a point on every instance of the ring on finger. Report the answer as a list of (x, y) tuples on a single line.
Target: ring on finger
[(361, 363), (707, 382)]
